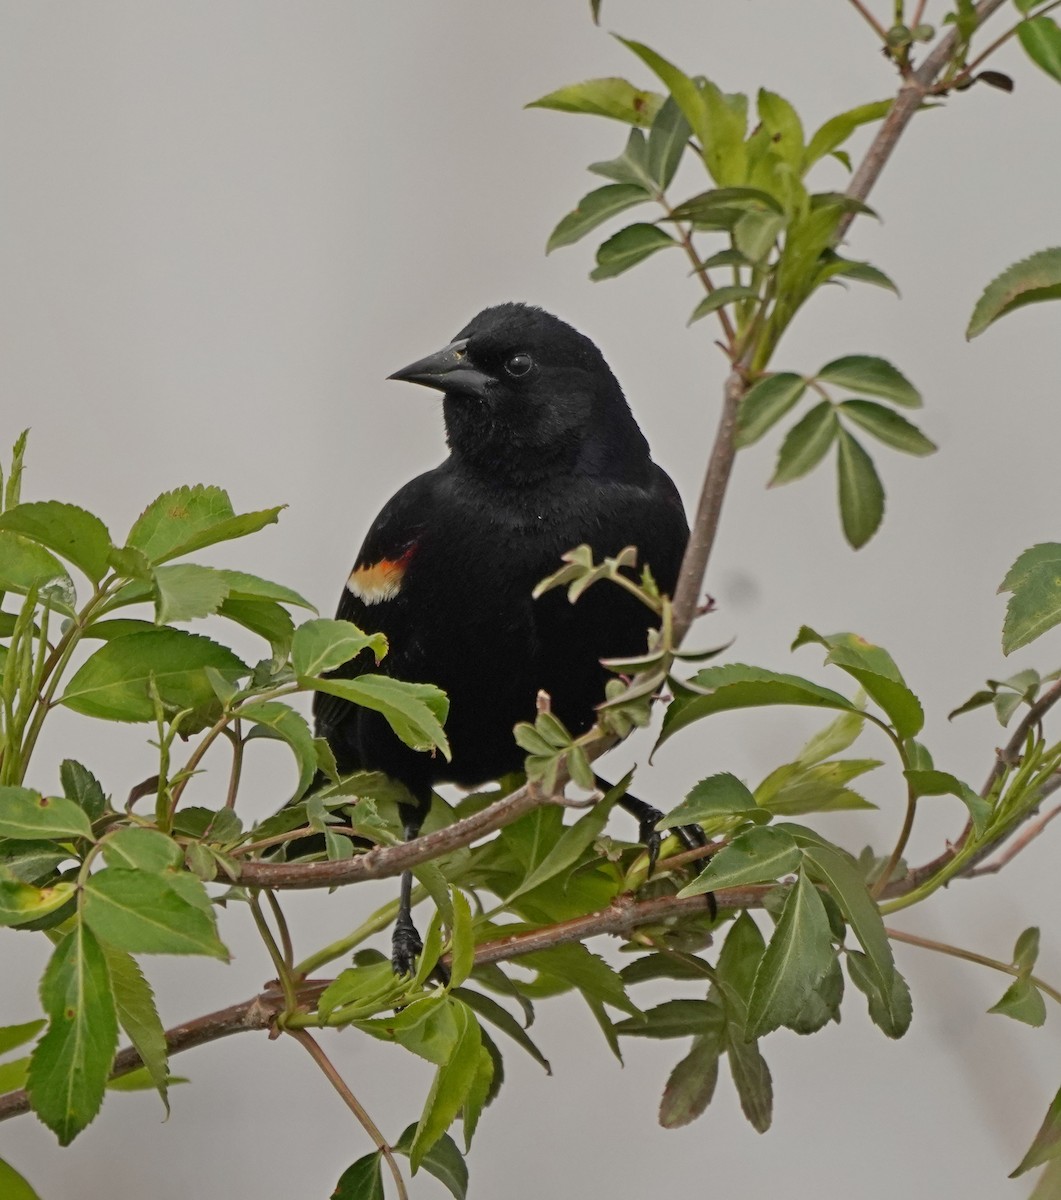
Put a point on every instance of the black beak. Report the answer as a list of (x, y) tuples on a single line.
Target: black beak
[(448, 370)]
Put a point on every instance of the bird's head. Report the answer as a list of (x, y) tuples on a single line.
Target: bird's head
[(526, 395)]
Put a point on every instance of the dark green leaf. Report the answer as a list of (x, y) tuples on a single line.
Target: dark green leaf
[(70, 1064), (628, 247), (720, 795), (116, 682), (887, 426), (443, 1160), (292, 727), (322, 645), (611, 97), (891, 1011), (593, 210), (185, 591), (691, 1084), (24, 814), (797, 960), (674, 1019), (719, 298), (30, 861), (667, 140), (751, 1076), (631, 166), (806, 443), (861, 492), (1029, 281), (871, 376), (737, 200), (765, 403), (13, 1186), (941, 783), (146, 913), (835, 267), (490, 1010), (135, 1005), (189, 518), (71, 532), (1035, 606), (577, 967), (25, 565), (362, 1180), (1022, 1001), (1041, 39), (81, 786), (1047, 1143), (415, 711), (760, 855)]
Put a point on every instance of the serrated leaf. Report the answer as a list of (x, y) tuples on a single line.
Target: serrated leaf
[(751, 1077), (322, 644), (1030, 281), (1035, 606), (21, 903), (135, 1005), (836, 737), (443, 1160), (628, 247), (797, 788), (451, 1085), (890, 1011), (861, 493), (667, 140), (189, 518), (71, 532), (26, 815), (362, 1180), (593, 210), (83, 788), (70, 1064), (1047, 1143), (142, 850), (115, 684), (25, 565), (674, 1019), (765, 403), (146, 913), (691, 1084), (871, 376), (184, 591), (759, 855), (415, 711), (1022, 1001), (806, 443), (887, 426), (490, 1010), (797, 960), (608, 97), (292, 727), (720, 795), (1041, 39), (577, 967)]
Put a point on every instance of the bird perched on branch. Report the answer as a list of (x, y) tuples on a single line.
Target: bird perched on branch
[(544, 455)]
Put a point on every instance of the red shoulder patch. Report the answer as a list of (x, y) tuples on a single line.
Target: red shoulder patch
[(372, 583)]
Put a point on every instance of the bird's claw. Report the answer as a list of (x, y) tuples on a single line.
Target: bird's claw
[(406, 948), (692, 837)]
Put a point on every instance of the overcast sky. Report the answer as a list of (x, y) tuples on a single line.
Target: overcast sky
[(223, 223)]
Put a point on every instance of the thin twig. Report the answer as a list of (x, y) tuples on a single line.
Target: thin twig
[(999, 41), (1015, 847), (307, 1041), (870, 20)]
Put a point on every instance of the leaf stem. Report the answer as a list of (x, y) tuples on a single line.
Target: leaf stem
[(870, 19), (283, 970)]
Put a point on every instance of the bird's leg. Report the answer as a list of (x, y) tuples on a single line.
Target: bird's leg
[(692, 837), (406, 945)]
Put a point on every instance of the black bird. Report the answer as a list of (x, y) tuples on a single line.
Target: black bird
[(544, 455)]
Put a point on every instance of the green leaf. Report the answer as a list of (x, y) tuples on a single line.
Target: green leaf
[(836, 737), (797, 788), (71, 532), (1047, 1143), (838, 129), (189, 518), (21, 903), (1022, 1001), (667, 140), (628, 247), (941, 783), (25, 565), (577, 967), (70, 1064), (415, 711), (691, 1084), (797, 960), (782, 122), (1026, 951), (13, 487), (756, 234), (13, 1036), (833, 266), (719, 298), (1029, 281), (806, 443), (873, 377), (13, 1075), (443, 1160), (362, 1180), (1035, 606), (451, 1085), (674, 1019), (115, 684), (322, 645), (135, 1005), (751, 1077), (760, 855), (146, 913), (13, 1186), (610, 97), (462, 943), (491, 1011), (887, 426), (593, 210), (25, 814), (735, 685), (83, 788), (631, 166), (891, 1011), (765, 403), (30, 861), (284, 722), (861, 492), (721, 795), (184, 591), (1041, 39), (875, 670)]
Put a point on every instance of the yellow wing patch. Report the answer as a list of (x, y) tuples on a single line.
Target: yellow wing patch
[(375, 582)]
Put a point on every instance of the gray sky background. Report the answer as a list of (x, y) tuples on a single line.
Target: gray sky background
[(223, 223)]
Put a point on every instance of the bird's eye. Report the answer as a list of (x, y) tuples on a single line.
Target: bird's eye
[(519, 364)]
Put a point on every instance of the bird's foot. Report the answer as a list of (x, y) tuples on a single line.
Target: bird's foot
[(406, 948), (692, 837)]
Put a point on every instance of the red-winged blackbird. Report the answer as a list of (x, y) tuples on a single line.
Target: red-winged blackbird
[(544, 455)]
